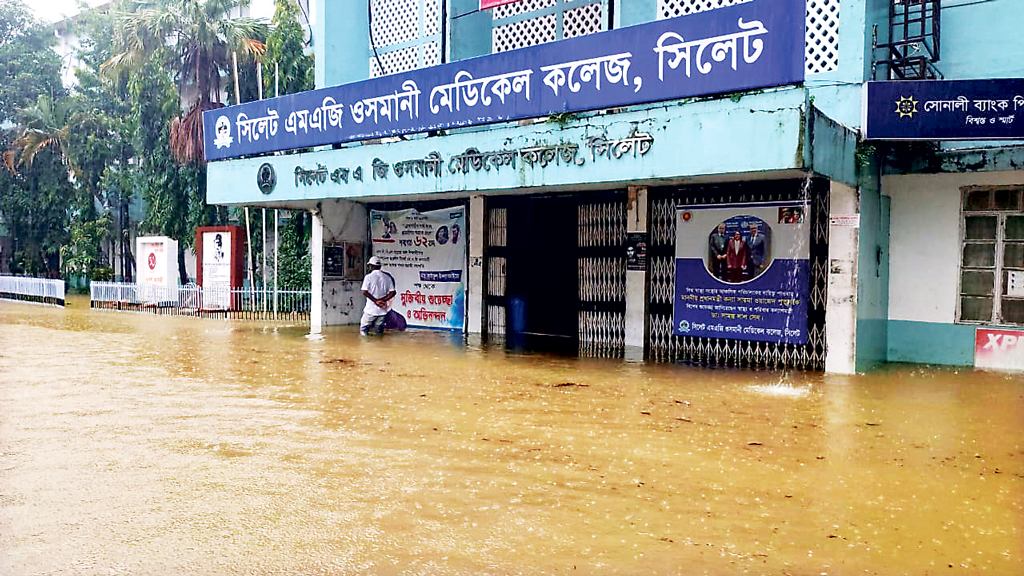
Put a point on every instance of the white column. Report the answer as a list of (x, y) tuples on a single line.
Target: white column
[(316, 274), (841, 308), (636, 280), (475, 286)]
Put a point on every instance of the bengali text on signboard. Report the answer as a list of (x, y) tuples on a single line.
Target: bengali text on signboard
[(742, 272), (750, 45)]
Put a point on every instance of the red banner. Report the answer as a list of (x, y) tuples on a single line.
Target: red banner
[(999, 349), (486, 4)]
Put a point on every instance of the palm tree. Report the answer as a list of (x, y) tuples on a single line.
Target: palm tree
[(44, 126), (203, 39)]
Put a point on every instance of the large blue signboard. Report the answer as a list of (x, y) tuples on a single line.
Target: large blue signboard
[(742, 272), (945, 110), (751, 45)]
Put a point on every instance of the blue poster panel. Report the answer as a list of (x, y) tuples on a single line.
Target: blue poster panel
[(750, 45), (742, 272), (945, 110)]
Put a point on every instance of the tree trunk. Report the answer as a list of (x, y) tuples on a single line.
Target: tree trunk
[(182, 273)]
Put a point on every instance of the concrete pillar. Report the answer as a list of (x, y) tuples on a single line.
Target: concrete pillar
[(636, 280), (841, 309), (341, 43), (316, 274), (475, 285)]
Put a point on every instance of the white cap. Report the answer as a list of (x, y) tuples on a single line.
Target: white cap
[(373, 261)]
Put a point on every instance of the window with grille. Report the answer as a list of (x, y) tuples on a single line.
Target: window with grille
[(821, 43), (992, 256), (532, 22), (406, 35)]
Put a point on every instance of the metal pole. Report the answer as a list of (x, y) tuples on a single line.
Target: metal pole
[(277, 216), (264, 238), (277, 248), (248, 235), (234, 64)]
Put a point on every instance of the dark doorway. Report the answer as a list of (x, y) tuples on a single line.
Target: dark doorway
[(542, 272)]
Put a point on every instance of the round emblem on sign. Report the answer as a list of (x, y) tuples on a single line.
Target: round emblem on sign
[(151, 261), (266, 179)]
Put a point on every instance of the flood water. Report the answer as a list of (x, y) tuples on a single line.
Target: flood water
[(145, 445)]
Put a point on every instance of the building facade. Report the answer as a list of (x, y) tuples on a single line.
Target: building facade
[(593, 210)]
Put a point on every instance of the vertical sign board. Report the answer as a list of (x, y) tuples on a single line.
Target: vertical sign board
[(426, 254), (999, 349), (220, 252), (742, 272), (157, 268)]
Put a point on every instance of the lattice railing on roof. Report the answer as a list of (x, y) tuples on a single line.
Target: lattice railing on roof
[(406, 34), (532, 22), (821, 34)]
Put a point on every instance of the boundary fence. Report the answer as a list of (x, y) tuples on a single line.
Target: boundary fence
[(37, 290), (197, 301)]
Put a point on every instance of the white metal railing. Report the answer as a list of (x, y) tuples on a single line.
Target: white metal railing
[(41, 290), (209, 302)]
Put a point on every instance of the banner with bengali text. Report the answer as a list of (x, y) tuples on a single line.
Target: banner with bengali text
[(426, 254), (751, 45), (742, 272)]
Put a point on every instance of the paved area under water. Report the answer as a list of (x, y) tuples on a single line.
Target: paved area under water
[(135, 444)]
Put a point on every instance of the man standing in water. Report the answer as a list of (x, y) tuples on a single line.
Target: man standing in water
[(379, 289)]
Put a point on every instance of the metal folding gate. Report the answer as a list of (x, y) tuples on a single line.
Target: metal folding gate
[(602, 278), (600, 292), (663, 346)]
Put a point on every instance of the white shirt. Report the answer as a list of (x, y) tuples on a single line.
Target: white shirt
[(378, 284)]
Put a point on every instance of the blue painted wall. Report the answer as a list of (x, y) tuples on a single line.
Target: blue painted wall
[(931, 343), (342, 46), (872, 272), (981, 39)]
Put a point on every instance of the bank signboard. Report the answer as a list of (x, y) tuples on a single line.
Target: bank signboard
[(945, 110), (742, 272), (745, 46)]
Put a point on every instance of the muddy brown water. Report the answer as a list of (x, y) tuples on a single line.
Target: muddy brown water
[(135, 444)]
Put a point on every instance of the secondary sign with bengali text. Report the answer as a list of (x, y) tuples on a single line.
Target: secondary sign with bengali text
[(742, 272), (751, 45), (426, 254), (945, 110)]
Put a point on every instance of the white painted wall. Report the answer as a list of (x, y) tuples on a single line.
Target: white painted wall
[(343, 221), (841, 309), (924, 246)]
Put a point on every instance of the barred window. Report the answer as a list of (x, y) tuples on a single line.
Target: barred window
[(992, 256)]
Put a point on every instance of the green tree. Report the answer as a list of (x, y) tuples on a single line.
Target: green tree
[(28, 67), (203, 40), (34, 205), (34, 200), (173, 194), (285, 49)]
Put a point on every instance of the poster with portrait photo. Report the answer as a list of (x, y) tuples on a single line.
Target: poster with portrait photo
[(216, 270), (425, 252), (742, 272)]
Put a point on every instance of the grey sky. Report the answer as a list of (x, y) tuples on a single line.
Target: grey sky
[(54, 10)]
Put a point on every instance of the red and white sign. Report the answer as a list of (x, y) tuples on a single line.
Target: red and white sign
[(486, 4), (157, 267), (999, 349)]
